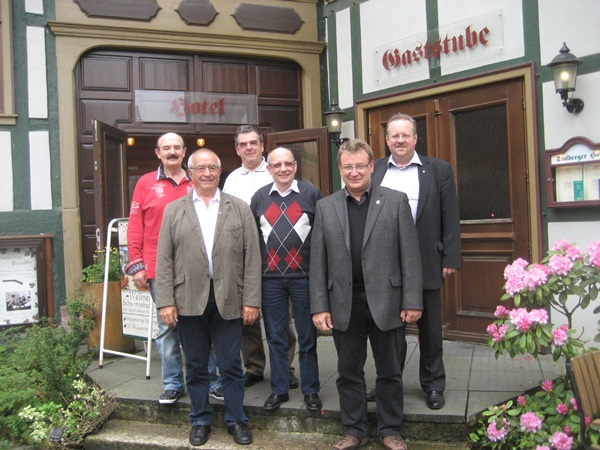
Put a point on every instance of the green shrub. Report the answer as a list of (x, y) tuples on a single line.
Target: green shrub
[(41, 383), (94, 273)]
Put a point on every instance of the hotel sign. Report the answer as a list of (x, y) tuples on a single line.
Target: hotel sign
[(195, 107)]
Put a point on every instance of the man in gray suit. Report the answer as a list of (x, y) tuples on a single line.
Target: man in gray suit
[(208, 279), (365, 282), (429, 185)]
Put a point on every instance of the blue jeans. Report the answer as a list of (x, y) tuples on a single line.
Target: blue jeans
[(167, 343), (215, 379), (198, 334), (276, 295)]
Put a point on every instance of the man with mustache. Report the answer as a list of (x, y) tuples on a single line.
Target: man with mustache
[(152, 193)]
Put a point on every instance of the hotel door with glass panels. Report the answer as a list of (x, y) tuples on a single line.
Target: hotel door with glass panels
[(481, 132)]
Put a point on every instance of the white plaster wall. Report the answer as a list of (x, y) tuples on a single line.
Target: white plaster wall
[(345, 93), (511, 26), (560, 125), (383, 22), (574, 22), (34, 6), (580, 234), (36, 73), (6, 172), (40, 169)]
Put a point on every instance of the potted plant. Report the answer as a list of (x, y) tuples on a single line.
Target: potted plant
[(92, 278)]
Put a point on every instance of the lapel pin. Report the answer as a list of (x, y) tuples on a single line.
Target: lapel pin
[(378, 202)]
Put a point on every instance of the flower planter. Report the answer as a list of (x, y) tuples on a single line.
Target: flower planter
[(113, 334)]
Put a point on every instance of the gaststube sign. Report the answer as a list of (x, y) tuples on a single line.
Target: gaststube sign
[(459, 46), (195, 107), (394, 58)]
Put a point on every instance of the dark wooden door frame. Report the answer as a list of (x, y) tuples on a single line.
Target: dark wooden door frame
[(525, 73)]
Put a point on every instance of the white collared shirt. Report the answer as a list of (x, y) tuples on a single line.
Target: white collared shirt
[(243, 183), (293, 188), (207, 216), (405, 179)]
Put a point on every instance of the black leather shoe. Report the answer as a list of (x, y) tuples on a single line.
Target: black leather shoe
[(241, 433), (313, 402), (275, 400), (294, 383), (371, 395), (199, 434), (435, 400), (250, 379)]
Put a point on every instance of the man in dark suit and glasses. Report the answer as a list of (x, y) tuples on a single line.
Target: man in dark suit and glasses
[(429, 185), (365, 283)]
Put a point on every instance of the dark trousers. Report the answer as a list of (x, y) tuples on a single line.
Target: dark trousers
[(431, 364), (197, 334), (387, 347), (276, 296)]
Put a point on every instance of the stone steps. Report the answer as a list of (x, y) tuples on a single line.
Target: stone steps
[(136, 435)]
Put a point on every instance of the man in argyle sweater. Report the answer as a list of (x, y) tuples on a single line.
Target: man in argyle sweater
[(284, 212)]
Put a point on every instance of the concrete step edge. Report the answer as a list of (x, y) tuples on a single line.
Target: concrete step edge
[(136, 435)]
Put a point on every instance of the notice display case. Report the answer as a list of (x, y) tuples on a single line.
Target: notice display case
[(573, 174), (26, 279)]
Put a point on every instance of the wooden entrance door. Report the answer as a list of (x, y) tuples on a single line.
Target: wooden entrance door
[(110, 177), (481, 132)]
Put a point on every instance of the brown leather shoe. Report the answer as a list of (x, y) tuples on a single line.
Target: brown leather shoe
[(394, 442), (349, 442)]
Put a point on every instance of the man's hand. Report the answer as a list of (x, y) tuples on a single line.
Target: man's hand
[(168, 315), (140, 281), (322, 321), (447, 271), (410, 315), (249, 314)]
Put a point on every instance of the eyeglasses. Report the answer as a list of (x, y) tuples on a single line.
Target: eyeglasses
[(286, 164), (201, 169), (359, 168), (247, 144), (404, 137)]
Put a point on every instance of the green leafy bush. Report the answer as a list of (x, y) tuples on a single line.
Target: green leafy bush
[(94, 273), (42, 383)]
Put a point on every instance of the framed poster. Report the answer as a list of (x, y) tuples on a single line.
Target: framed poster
[(25, 280)]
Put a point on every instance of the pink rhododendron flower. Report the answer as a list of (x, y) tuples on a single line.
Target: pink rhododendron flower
[(496, 435), (560, 335), (514, 286), (501, 311), (594, 254), (547, 385), (560, 264), (521, 400), (588, 421), (539, 315), (567, 429), (536, 276), (574, 404), (562, 409), (514, 274), (574, 253), (530, 422), (523, 319), (497, 332), (560, 441), (559, 245)]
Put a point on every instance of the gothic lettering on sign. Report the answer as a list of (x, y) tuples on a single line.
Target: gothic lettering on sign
[(394, 58)]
